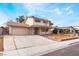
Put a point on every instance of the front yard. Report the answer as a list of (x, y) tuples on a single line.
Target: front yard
[(61, 37)]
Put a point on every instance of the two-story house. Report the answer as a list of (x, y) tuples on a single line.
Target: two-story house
[(31, 25)]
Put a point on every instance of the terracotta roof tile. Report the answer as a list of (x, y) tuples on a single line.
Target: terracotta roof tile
[(41, 26), (35, 18), (17, 24)]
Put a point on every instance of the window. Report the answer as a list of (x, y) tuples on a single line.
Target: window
[(45, 30), (77, 31), (37, 21), (44, 21)]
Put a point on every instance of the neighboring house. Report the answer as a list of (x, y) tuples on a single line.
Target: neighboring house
[(76, 29), (31, 25), (1, 30), (4, 30), (72, 29), (68, 27)]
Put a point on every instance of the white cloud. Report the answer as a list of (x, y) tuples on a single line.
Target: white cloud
[(69, 10), (3, 18), (37, 8), (33, 8), (57, 11)]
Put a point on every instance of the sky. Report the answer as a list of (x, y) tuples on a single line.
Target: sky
[(61, 14)]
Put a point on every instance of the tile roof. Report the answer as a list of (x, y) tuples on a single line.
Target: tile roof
[(17, 24), (44, 26), (35, 18)]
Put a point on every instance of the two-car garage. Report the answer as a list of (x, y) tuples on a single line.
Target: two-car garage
[(18, 29)]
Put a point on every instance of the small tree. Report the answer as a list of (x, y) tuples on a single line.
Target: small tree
[(20, 19), (55, 31), (60, 30)]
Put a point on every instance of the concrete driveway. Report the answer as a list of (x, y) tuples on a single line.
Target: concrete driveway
[(32, 45)]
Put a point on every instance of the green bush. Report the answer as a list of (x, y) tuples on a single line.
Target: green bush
[(66, 31), (55, 31)]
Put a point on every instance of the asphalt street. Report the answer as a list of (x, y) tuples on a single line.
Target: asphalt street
[(68, 51)]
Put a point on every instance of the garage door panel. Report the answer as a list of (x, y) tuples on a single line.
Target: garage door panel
[(20, 31)]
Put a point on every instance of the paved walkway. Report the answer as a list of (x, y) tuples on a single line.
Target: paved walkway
[(32, 45), (68, 51)]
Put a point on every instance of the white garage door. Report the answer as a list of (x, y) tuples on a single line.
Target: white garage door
[(20, 31)]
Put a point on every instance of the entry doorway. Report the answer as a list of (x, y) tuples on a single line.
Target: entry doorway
[(36, 31)]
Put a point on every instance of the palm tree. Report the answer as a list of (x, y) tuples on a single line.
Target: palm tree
[(20, 19)]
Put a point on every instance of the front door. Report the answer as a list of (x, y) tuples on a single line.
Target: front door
[(36, 31)]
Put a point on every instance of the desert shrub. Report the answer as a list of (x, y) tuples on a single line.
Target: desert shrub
[(66, 31), (55, 31)]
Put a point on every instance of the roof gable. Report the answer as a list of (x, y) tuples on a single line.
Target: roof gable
[(35, 18), (17, 24)]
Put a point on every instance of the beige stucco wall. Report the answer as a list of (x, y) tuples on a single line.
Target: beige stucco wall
[(29, 21), (40, 31), (0, 31), (31, 31), (10, 30), (1, 43)]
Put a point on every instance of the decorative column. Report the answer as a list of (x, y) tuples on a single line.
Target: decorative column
[(58, 32)]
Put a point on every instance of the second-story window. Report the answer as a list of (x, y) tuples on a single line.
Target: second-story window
[(45, 30), (44, 21), (37, 21)]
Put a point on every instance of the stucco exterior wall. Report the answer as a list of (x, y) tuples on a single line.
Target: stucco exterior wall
[(0, 31), (1, 44), (29, 21), (10, 30), (31, 31)]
